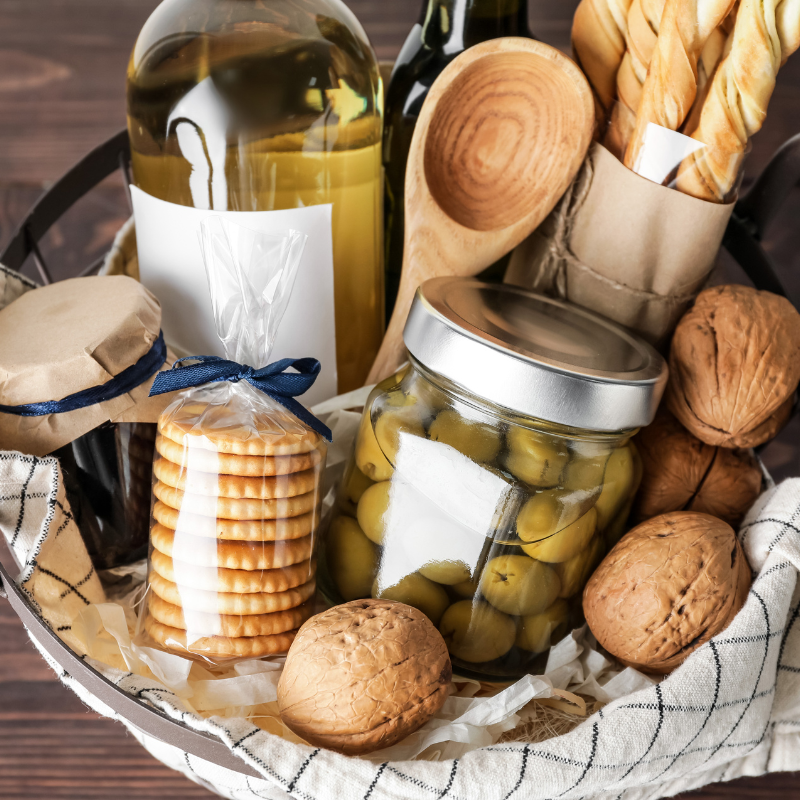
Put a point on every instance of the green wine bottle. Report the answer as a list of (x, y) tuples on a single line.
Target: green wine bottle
[(446, 28)]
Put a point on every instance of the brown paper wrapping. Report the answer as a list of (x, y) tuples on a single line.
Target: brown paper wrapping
[(67, 337), (623, 246)]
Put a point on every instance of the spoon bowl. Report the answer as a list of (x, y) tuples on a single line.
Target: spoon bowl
[(501, 135)]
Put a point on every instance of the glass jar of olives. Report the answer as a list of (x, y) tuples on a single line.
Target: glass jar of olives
[(491, 475)]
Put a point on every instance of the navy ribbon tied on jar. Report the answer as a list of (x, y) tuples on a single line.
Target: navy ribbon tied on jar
[(126, 381), (273, 380)]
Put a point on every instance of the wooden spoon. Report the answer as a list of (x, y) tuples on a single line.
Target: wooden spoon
[(501, 135)]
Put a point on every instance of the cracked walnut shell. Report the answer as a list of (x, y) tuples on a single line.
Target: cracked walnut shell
[(670, 585), (735, 366), (362, 676), (681, 473)]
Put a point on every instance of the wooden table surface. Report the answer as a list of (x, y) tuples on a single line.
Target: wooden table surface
[(62, 72)]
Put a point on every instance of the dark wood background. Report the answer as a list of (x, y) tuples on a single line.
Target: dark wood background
[(62, 72)]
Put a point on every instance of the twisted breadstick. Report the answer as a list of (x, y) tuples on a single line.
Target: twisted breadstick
[(671, 83), (598, 41), (767, 32), (644, 18), (717, 47)]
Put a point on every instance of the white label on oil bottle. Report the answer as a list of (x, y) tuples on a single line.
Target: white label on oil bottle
[(171, 266)]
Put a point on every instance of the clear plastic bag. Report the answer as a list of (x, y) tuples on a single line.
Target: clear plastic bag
[(237, 475)]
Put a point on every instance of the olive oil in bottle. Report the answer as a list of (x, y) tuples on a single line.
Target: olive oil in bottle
[(446, 28), (246, 105)]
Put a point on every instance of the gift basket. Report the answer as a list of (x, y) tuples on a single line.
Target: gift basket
[(536, 554)]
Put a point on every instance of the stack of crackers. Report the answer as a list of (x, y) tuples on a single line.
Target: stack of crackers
[(233, 536)]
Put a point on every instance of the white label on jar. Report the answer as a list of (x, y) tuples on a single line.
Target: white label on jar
[(171, 266)]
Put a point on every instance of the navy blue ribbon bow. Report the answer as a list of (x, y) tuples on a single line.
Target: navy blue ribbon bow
[(273, 380), (128, 379)]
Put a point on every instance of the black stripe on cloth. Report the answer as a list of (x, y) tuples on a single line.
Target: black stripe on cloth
[(22, 504), (311, 756), (449, 786), (701, 728), (61, 580), (256, 792), (81, 582), (589, 762), (659, 725), (20, 278), (758, 678), (417, 782), (245, 738), (695, 709), (522, 770), (375, 780), (792, 619)]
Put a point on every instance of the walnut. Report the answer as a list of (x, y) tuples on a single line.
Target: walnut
[(681, 473), (670, 585), (364, 675), (735, 365)]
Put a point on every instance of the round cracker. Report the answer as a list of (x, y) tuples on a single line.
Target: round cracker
[(231, 555), (261, 435), (204, 460), (248, 530), (219, 646), (236, 508), (240, 581), (236, 486), (229, 602), (233, 625)]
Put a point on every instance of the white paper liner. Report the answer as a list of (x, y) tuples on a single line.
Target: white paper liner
[(475, 715)]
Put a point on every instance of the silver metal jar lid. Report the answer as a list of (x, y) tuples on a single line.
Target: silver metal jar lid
[(536, 356)]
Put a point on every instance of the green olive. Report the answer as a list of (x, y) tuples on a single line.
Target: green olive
[(519, 585), (372, 510), (575, 573), (355, 483), (416, 590), (449, 573), (466, 588), (478, 441), (535, 458), (546, 513), (352, 559), (369, 456), (538, 631), (617, 487), (392, 425), (586, 467), (477, 633), (565, 544)]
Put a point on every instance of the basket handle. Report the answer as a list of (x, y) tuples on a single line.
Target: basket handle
[(753, 213)]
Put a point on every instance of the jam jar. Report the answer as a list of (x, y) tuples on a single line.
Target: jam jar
[(493, 473)]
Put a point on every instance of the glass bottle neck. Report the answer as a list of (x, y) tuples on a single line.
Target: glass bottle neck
[(455, 25)]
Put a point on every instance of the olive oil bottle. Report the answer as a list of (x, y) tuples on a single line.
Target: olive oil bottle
[(446, 28), (247, 105)]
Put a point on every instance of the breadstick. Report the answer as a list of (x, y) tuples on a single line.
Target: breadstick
[(644, 19), (598, 42), (717, 47), (671, 83), (767, 32)]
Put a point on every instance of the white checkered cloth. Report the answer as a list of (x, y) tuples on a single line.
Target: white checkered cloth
[(732, 709)]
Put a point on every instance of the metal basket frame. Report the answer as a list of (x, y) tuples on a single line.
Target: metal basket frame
[(751, 217)]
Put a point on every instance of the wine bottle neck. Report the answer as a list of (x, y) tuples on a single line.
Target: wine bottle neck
[(455, 25)]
